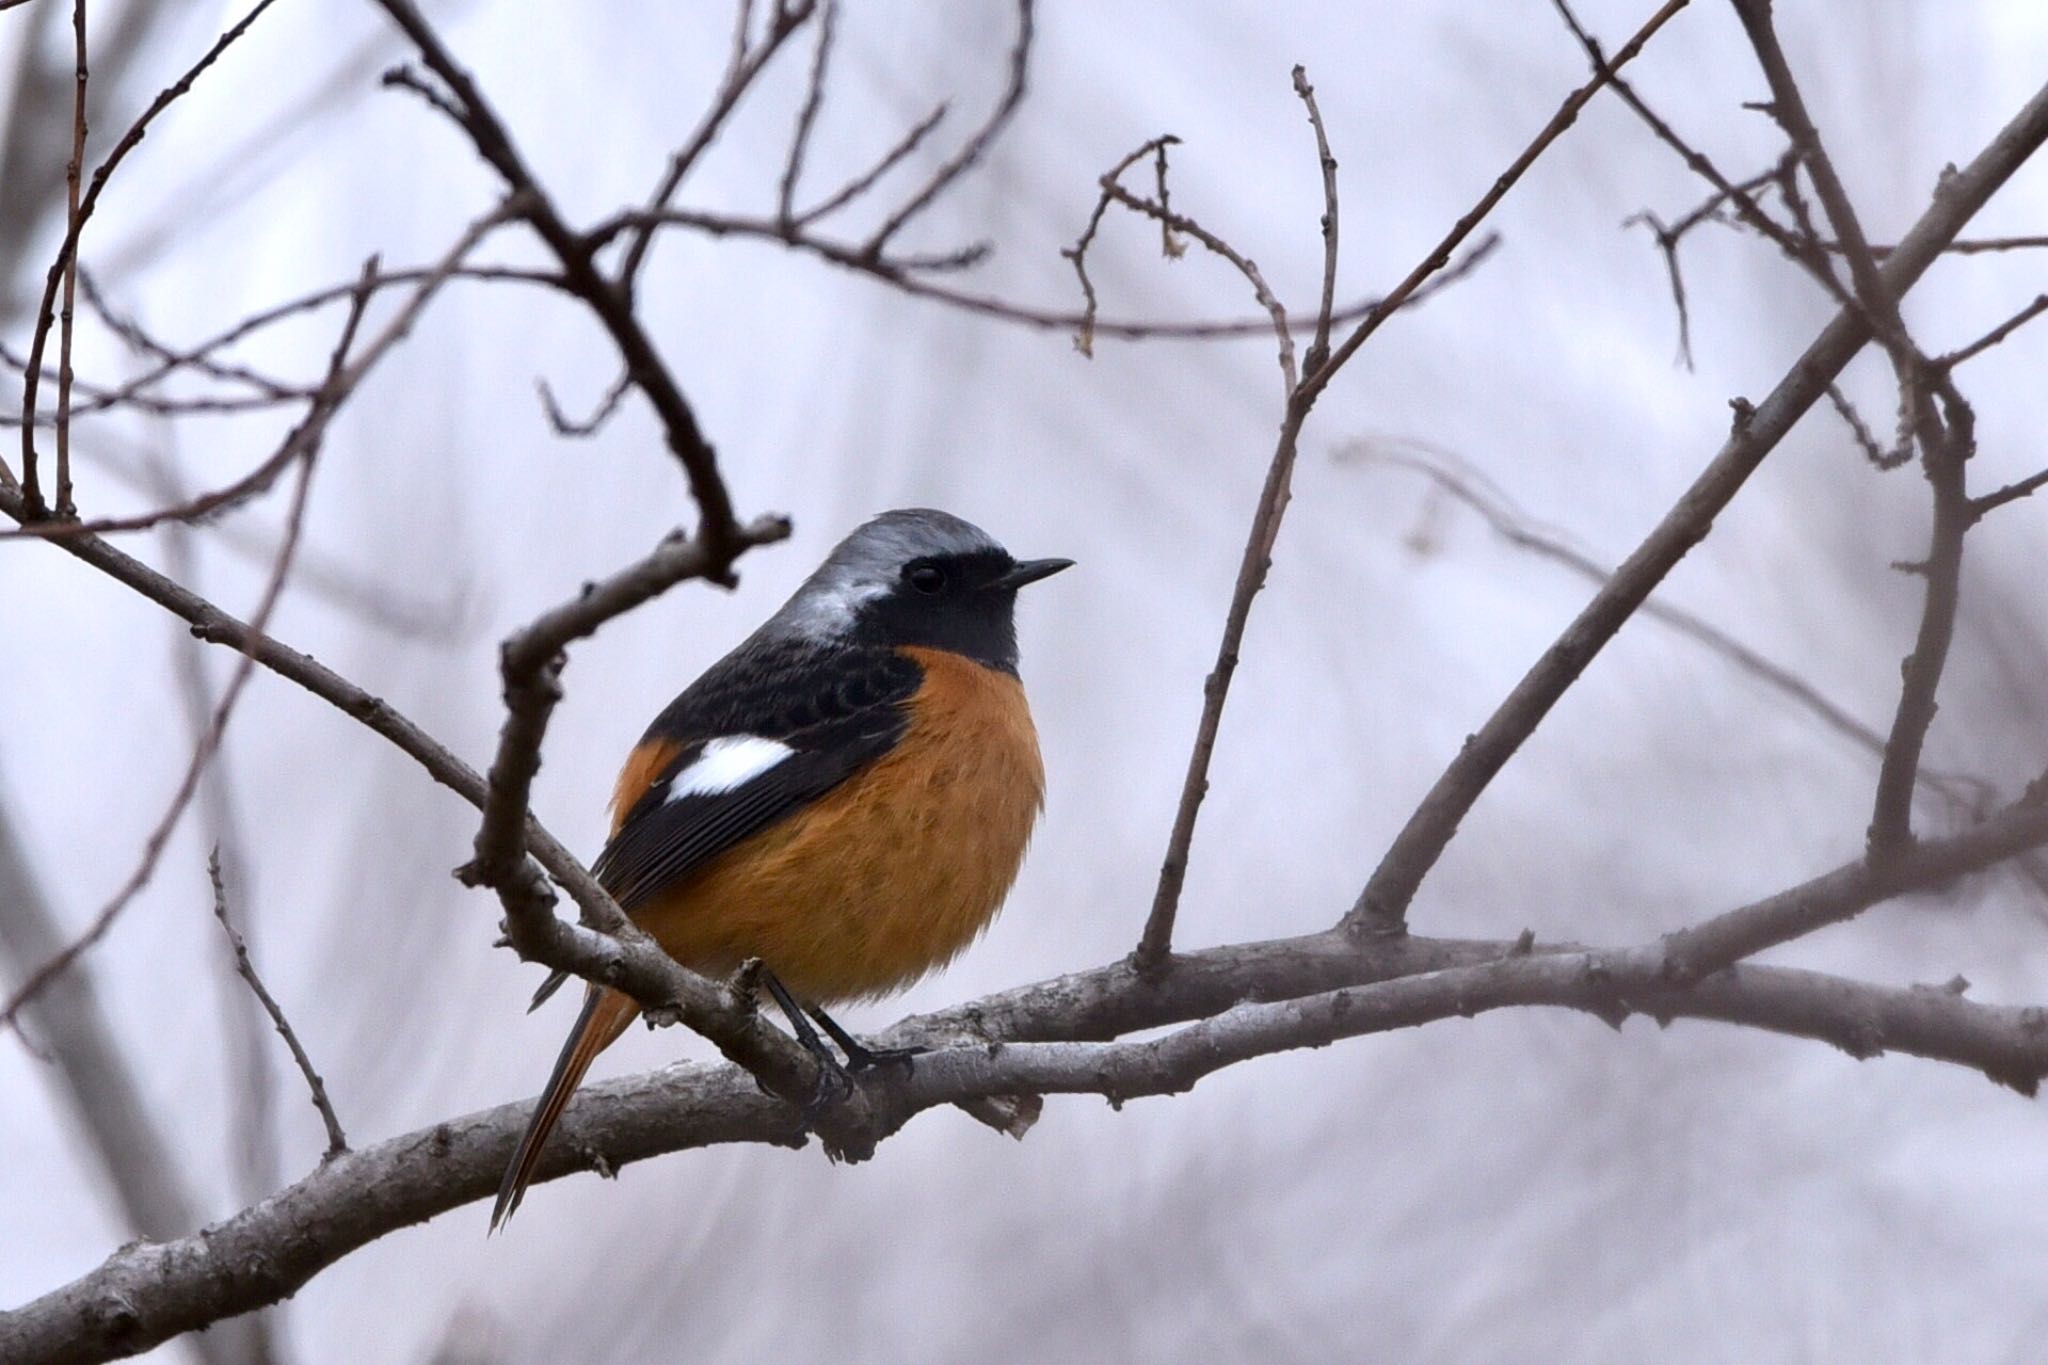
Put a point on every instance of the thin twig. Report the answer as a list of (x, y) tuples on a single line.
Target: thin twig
[(134, 392), (439, 621), (1077, 254), (747, 63), (866, 180), (1804, 249), (807, 117), (1319, 349), (1439, 257), (337, 1140), (608, 301), (1962, 246), (1946, 439), (565, 425), (1153, 954), (1968, 797), (254, 1089), (1383, 904), (326, 400), (216, 729), (73, 170), (67, 250), (970, 153), (1243, 264), (1155, 943), (2012, 492), (131, 331), (1996, 335), (1877, 455)]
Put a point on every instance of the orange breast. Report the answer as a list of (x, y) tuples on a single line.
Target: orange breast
[(892, 873)]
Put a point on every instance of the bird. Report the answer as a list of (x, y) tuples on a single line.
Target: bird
[(844, 799)]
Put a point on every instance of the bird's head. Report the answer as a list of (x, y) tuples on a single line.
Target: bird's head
[(916, 576)]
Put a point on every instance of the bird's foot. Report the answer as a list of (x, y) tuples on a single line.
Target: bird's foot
[(859, 1058)]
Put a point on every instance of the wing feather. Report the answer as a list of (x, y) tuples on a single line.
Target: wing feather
[(836, 709)]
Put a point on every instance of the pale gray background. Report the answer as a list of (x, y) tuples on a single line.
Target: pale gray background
[(1527, 1186)]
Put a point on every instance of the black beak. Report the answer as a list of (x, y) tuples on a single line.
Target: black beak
[(1030, 571)]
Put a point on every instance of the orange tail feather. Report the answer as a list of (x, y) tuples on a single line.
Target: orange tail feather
[(605, 1016)]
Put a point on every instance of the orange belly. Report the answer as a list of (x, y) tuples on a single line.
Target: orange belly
[(892, 873)]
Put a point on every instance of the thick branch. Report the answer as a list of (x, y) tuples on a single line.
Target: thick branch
[(531, 663), (147, 1293)]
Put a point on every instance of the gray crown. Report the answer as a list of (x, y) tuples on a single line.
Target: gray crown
[(868, 563)]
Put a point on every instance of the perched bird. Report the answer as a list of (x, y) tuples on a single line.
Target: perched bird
[(845, 797)]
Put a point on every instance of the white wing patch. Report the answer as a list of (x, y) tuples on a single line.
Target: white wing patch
[(727, 762)]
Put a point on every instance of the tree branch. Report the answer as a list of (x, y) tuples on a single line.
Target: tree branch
[(32, 500), (306, 439), (1382, 905), (717, 528), (1251, 1000), (1964, 794), (337, 1140)]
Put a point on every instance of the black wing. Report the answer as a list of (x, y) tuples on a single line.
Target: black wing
[(839, 708)]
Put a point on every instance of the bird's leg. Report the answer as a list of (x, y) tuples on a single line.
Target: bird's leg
[(858, 1057), (834, 1083)]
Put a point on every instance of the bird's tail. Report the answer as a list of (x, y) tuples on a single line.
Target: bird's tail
[(605, 1016)]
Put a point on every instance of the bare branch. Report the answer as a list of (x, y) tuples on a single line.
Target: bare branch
[(1877, 455), (314, 429), (1383, 903), (1077, 254), (747, 63), (807, 117), (326, 401), (1154, 947), (1155, 943), (1995, 335), (610, 303), (1319, 349), (2012, 492), (337, 1141), (1962, 246), (1946, 439), (1692, 954), (131, 331), (1252, 1000), (134, 393), (1966, 796), (866, 180), (73, 170), (1243, 264), (1802, 248), (1566, 115), (963, 160), (68, 250), (607, 406)]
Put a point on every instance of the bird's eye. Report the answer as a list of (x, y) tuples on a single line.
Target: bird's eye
[(926, 578)]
